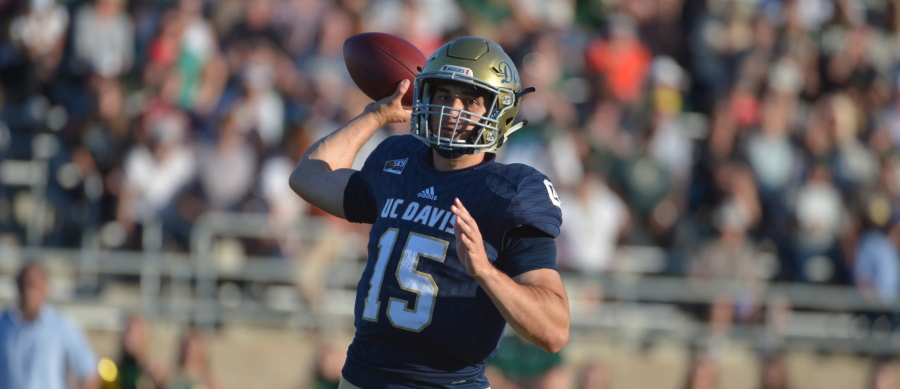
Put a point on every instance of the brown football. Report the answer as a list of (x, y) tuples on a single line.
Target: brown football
[(377, 62)]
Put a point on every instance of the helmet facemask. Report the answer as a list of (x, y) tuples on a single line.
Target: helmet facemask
[(438, 125)]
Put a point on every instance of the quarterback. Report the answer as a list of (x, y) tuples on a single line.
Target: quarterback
[(460, 244)]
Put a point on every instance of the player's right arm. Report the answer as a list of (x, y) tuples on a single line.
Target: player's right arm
[(324, 170)]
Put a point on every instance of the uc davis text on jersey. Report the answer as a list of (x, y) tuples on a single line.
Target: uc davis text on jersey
[(426, 215)]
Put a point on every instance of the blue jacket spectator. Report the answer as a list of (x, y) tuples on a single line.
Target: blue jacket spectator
[(38, 344), (877, 267)]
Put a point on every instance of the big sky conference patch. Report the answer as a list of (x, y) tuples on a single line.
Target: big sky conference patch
[(395, 166)]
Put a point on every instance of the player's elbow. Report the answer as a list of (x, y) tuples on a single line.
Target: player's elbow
[(304, 177), (560, 340), (553, 343), (296, 180)]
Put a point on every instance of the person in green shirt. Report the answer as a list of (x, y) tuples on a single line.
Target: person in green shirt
[(520, 364)]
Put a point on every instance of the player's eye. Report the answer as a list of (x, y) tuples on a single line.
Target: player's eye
[(473, 102)]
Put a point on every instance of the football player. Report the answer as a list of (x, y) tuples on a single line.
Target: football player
[(460, 244)]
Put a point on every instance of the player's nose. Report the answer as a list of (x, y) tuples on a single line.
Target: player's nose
[(457, 104)]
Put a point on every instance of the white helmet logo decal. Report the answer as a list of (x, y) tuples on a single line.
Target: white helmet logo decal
[(457, 69)]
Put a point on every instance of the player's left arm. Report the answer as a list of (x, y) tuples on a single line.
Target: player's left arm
[(534, 303)]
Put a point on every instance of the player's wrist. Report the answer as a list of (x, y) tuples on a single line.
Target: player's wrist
[(372, 113), (372, 118), (485, 274)]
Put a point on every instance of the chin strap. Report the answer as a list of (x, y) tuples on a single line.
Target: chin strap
[(455, 153), (512, 129), (525, 92), (515, 127)]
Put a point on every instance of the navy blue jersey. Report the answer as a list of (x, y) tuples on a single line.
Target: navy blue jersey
[(421, 319)]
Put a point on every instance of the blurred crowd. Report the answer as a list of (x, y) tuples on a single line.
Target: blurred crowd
[(750, 139), (41, 347)]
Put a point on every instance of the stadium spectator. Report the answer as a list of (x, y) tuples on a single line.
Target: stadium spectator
[(649, 187), (883, 374), (820, 217), (596, 219), (297, 21), (104, 38), (519, 364), (772, 156), (193, 363), (201, 71), (876, 268), (285, 209), (594, 375), (623, 59), (38, 343), (774, 372), (87, 167), (155, 171), (226, 168), (720, 148), (41, 33), (134, 365), (702, 372), (163, 49), (733, 258), (260, 111), (327, 370), (856, 167), (255, 27)]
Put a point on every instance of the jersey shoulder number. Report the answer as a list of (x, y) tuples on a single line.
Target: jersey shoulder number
[(551, 191), (535, 203)]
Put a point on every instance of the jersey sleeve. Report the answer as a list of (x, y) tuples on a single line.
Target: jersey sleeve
[(526, 249), (359, 197), (359, 200), (359, 205), (535, 204)]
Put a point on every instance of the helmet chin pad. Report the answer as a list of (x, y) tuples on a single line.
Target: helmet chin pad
[(454, 153)]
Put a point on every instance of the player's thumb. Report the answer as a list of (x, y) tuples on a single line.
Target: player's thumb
[(401, 89)]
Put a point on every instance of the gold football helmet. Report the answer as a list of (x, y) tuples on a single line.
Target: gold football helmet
[(472, 62)]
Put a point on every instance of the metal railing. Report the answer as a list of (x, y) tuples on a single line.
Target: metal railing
[(187, 286)]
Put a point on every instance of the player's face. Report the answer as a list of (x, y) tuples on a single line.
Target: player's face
[(457, 98)]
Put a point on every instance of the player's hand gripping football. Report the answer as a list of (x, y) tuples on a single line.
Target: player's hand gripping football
[(469, 244), (390, 109)]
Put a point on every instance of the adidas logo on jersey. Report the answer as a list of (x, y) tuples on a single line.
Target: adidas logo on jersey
[(428, 194)]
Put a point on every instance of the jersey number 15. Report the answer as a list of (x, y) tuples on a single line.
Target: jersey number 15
[(410, 279)]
